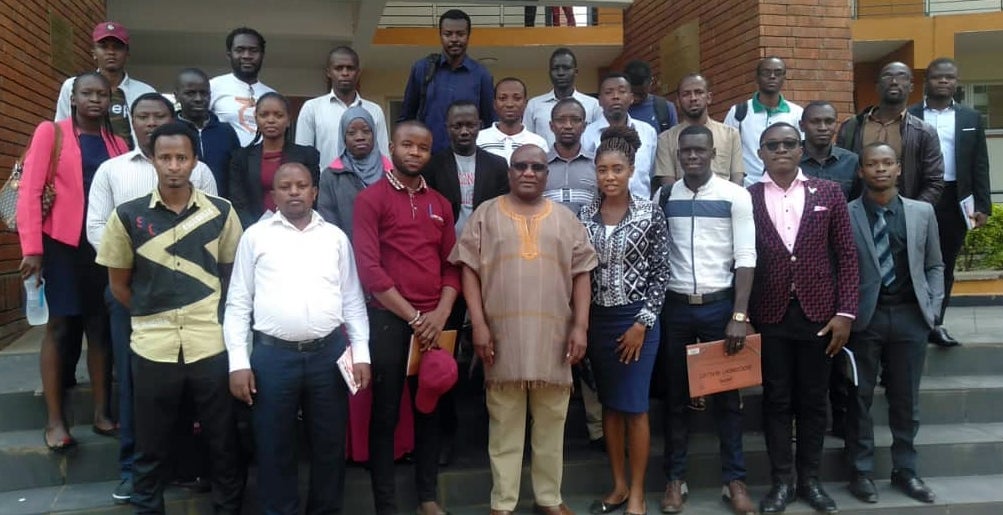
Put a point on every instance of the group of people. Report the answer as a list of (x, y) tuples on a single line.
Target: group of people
[(221, 256)]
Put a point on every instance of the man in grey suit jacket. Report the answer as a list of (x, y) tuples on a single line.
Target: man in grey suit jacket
[(901, 290), (966, 170)]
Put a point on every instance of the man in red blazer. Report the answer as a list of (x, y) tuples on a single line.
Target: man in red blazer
[(804, 300)]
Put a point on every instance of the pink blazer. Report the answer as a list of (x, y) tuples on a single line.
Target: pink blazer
[(66, 220)]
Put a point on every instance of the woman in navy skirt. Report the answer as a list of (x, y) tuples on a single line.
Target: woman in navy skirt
[(628, 288), (55, 247)]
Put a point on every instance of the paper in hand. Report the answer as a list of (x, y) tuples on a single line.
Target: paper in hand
[(347, 372)]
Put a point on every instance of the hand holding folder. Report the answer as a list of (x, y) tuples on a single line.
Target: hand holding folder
[(446, 342), (711, 370)]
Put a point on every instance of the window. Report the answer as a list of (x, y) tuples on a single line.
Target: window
[(986, 99)]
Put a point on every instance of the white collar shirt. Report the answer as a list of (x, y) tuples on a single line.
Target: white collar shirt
[(538, 109), (498, 143), (294, 285), (128, 177), (319, 126), (944, 121), (644, 159)]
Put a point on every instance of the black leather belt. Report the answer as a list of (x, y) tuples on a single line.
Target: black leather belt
[(699, 299), (301, 346)]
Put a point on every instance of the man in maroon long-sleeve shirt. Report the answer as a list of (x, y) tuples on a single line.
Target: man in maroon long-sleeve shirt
[(403, 232)]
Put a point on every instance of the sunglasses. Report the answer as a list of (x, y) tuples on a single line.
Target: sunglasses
[(788, 144), (521, 167)]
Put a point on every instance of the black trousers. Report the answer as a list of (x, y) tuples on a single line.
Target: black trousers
[(389, 337), (159, 389), (795, 384), (952, 237), (895, 340)]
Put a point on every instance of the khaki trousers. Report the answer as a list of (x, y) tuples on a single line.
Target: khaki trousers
[(548, 409)]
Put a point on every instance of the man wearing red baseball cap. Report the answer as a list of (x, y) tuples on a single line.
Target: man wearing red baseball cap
[(111, 51)]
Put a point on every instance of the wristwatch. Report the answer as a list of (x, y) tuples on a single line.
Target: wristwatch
[(740, 317)]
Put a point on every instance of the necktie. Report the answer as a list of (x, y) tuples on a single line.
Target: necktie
[(886, 266)]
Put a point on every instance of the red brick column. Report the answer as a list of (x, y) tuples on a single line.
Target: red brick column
[(812, 36), (29, 83)]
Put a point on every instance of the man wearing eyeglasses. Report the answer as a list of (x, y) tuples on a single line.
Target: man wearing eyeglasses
[(526, 283), (766, 107), (914, 141), (804, 300)]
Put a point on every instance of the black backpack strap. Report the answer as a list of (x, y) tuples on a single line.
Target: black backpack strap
[(661, 106), (431, 66), (741, 111), (663, 196)]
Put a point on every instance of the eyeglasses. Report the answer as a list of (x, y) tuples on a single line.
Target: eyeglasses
[(772, 73), (895, 77), (788, 144), (522, 166)]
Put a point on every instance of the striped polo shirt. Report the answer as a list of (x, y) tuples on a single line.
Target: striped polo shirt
[(712, 232)]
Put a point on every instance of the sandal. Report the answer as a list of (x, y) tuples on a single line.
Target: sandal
[(64, 445), (111, 432)]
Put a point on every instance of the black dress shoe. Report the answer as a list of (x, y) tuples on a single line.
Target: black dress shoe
[(863, 488), (939, 336), (914, 487), (778, 498), (812, 492)]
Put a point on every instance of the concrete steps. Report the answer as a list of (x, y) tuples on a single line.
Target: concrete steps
[(960, 447), (962, 495)]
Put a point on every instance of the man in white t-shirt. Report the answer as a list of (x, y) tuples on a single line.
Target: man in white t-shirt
[(509, 132), (234, 94), (319, 123), (563, 71), (766, 107)]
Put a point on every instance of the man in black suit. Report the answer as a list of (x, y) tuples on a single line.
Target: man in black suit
[(966, 170), (463, 173), (466, 176)]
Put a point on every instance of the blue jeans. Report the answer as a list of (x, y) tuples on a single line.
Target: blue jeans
[(683, 325), (120, 322), (287, 379)]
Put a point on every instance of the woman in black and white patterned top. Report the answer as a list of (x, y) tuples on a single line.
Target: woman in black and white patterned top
[(628, 288)]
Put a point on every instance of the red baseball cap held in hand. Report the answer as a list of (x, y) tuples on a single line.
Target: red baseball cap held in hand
[(437, 373), (110, 29)]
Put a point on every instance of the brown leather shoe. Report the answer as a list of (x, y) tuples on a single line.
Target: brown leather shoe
[(737, 495), (675, 496), (501, 512), (561, 509)]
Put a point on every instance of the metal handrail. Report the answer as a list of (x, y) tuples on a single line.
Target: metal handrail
[(412, 14), (930, 7)]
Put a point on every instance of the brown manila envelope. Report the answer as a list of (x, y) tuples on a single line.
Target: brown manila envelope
[(447, 342), (711, 371)]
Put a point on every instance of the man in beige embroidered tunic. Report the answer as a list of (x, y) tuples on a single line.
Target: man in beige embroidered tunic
[(534, 258)]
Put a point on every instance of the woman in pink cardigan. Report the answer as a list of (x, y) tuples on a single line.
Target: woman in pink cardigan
[(55, 248)]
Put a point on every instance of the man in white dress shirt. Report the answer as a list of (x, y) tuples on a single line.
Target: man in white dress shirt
[(319, 123), (615, 97), (234, 94), (117, 181), (509, 132), (563, 71), (294, 282)]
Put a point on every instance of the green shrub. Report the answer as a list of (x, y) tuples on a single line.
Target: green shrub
[(983, 248)]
